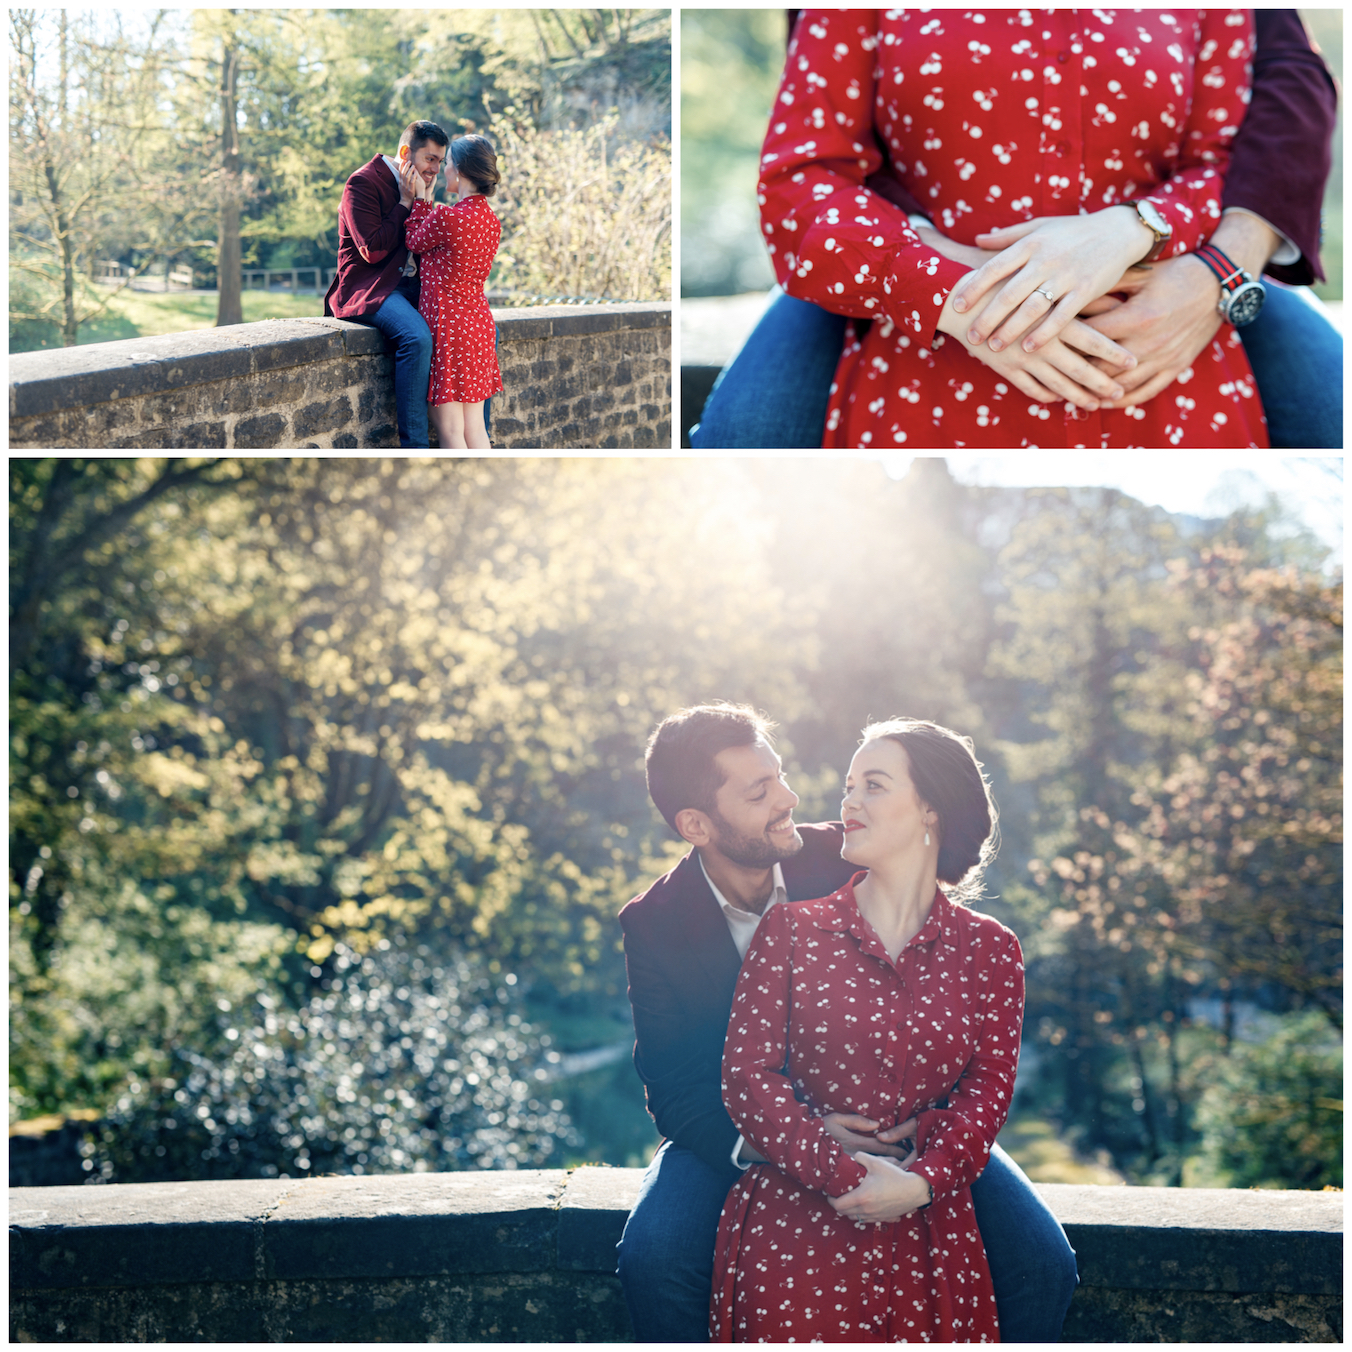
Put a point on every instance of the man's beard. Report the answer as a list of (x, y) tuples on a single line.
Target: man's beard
[(752, 851)]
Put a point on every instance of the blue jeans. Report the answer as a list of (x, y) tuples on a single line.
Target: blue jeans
[(667, 1250), (398, 319), (773, 394), (1297, 360)]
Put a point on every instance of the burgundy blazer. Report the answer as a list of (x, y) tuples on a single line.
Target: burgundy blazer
[(371, 249), (1282, 153), (682, 966)]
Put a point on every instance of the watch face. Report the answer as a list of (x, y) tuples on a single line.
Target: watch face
[(1245, 304), (1153, 219)]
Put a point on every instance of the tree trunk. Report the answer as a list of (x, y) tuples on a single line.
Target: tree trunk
[(229, 255)]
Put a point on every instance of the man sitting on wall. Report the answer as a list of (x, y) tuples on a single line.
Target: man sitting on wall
[(377, 281)]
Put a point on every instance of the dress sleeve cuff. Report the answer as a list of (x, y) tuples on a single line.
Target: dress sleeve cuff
[(915, 288), (848, 1175)]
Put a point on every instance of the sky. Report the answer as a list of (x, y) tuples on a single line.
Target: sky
[(1200, 483)]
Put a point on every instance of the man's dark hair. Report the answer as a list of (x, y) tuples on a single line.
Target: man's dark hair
[(417, 134), (681, 751)]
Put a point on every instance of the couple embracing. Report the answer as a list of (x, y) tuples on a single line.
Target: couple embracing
[(416, 270), (828, 1037)]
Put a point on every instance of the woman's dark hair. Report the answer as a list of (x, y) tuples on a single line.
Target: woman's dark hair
[(475, 157), (681, 751), (948, 778)]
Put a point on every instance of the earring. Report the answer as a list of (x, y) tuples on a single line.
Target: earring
[(926, 837)]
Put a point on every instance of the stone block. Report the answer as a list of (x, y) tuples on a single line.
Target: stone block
[(265, 432), (292, 342), (325, 415), (345, 441), (160, 1233)]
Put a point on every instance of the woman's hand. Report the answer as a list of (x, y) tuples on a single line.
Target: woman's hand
[(887, 1194), (1052, 267), (411, 183), (1059, 370), (858, 1133)]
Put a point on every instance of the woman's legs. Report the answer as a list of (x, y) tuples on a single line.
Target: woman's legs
[(449, 420), (773, 394), (476, 434), (1297, 360), (460, 427)]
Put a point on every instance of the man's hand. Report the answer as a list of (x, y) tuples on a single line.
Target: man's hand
[(857, 1133), (887, 1194), (1167, 322), (1171, 314)]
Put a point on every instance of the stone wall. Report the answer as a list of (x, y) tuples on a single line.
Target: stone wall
[(529, 1256), (594, 377)]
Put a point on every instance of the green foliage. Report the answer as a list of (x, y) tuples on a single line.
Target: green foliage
[(270, 715), (318, 93), (1273, 1116), (400, 1061), (731, 61)]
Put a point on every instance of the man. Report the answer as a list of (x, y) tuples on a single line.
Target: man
[(714, 776), (775, 391), (377, 281)]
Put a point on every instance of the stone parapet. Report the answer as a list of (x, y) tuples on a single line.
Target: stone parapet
[(529, 1256), (576, 378)]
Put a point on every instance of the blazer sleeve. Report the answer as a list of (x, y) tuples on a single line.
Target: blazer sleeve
[(954, 1143), (1281, 158), (831, 239), (1190, 198), (375, 233), (430, 227), (758, 1094), (679, 1072)]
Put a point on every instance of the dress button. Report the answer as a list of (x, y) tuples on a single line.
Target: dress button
[(1063, 57), (1063, 148)]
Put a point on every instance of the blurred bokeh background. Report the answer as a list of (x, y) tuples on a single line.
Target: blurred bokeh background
[(326, 787)]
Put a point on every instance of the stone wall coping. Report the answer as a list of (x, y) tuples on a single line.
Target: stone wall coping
[(515, 1221), (74, 377)]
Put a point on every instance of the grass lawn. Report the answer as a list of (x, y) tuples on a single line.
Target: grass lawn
[(142, 314)]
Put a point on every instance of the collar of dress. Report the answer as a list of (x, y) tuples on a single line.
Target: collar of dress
[(842, 916)]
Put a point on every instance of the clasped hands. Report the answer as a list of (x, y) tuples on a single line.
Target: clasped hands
[(1063, 347), (889, 1192)]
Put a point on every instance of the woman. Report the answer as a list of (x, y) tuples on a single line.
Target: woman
[(1117, 124), (456, 246), (889, 1000)]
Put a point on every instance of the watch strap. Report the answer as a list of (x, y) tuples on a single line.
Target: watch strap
[(1228, 273)]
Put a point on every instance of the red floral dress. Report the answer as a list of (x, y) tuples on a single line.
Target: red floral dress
[(934, 1035), (455, 248), (992, 117)]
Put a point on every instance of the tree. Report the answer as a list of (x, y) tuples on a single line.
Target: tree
[(77, 136)]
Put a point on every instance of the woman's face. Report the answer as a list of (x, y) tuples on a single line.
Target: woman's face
[(883, 815)]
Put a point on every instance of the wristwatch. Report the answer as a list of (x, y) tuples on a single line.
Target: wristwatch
[(1241, 297), (1156, 224)]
